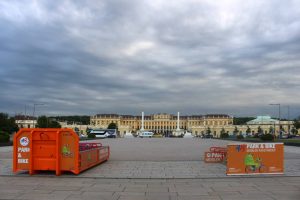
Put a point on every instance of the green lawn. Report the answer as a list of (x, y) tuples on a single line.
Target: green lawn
[(288, 140)]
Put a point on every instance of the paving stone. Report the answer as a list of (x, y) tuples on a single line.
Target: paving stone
[(8, 196), (59, 192), (132, 197), (234, 188), (59, 187), (154, 176), (278, 188), (42, 196), (137, 188), (104, 188), (92, 196), (245, 197), (157, 189), (287, 196), (196, 197), (131, 193)]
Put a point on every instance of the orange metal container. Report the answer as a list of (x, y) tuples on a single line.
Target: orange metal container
[(55, 149)]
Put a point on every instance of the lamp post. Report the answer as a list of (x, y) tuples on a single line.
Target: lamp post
[(35, 104), (277, 104), (288, 118)]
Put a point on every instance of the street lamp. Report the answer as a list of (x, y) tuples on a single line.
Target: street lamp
[(288, 118), (277, 104), (35, 104)]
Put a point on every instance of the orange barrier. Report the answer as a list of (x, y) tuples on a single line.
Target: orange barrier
[(56, 150), (215, 155), (255, 158)]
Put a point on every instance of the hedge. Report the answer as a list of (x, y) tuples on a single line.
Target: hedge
[(4, 137)]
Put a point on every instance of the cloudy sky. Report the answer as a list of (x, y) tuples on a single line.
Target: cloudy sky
[(126, 56)]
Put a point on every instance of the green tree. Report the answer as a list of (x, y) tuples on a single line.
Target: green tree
[(208, 131), (223, 134), (78, 119), (294, 131), (223, 131), (240, 137), (271, 130), (88, 130), (235, 131), (241, 120), (4, 137), (42, 122), (45, 122), (112, 126), (8, 124), (259, 130), (54, 124), (248, 131), (297, 123)]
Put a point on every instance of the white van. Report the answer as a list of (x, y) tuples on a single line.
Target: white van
[(146, 134)]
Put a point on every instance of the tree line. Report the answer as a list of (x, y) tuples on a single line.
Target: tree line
[(77, 119)]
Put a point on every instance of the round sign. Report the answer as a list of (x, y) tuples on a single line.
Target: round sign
[(24, 141)]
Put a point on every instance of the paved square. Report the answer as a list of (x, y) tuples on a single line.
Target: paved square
[(152, 168)]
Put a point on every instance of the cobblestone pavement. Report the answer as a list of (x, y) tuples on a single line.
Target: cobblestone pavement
[(164, 168), (267, 188), (159, 158)]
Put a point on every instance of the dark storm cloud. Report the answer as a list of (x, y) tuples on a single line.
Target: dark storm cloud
[(87, 57)]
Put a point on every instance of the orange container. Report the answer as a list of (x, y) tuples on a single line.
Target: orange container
[(55, 149)]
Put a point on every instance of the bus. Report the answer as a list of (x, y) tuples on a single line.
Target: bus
[(104, 133)]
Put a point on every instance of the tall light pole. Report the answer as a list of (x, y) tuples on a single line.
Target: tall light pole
[(288, 112), (277, 104), (35, 104)]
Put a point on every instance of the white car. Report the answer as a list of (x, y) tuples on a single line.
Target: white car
[(284, 136), (146, 134)]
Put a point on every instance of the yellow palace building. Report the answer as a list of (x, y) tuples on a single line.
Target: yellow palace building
[(161, 123), (165, 124)]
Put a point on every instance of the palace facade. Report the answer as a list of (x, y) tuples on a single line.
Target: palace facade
[(164, 123), (161, 123)]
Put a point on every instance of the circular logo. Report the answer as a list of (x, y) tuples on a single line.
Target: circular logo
[(24, 141)]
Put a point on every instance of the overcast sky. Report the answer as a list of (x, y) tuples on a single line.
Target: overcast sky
[(194, 56)]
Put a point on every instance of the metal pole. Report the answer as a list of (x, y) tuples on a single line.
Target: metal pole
[(142, 128), (33, 115), (288, 107), (178, 121), (35, 104), (279, 121), (278, 104)]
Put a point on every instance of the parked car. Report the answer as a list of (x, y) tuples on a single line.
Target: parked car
[(111, 133), (80, 135), (208, 136), (146, 134), (292, 136), (284, 136)]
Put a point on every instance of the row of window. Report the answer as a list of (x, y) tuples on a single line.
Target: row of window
[(132, 123)]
